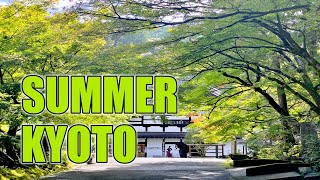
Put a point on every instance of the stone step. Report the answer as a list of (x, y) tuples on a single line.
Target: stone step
[(239, 174), (278, 176), (274, 168), (256, 162)]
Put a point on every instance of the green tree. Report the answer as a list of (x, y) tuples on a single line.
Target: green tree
[(33, 41), (223, 32), (253, 66)]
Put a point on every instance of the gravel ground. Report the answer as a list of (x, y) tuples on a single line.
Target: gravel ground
[(150, 169)]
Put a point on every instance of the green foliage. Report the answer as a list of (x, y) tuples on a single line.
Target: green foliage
[(34, 40), (295, 152), (6, 141), (275, 151), (240, 41), (228, 164), (311, 153), (11, 89), (34, 171), (193, 136)]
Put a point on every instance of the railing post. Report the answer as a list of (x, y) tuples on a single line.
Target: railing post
[(222, 150), (243, 150), (217, 150)]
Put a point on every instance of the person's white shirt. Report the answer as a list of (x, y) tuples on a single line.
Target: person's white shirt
[(175, 152)]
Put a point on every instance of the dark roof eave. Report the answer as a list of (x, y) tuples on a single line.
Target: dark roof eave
[(161, 134)]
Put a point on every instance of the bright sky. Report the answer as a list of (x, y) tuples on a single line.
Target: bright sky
[(5, 2), (60, 4), (68, 3)]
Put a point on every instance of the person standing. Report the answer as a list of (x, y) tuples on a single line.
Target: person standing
[(176, 152), (169, 154)]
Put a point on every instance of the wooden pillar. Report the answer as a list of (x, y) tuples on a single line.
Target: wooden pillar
[(145, 147), (246, 148), (217, 151), (243, 150), (163, 147), (222, 150), (235, 146)]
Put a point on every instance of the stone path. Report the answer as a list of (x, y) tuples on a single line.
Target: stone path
[(240, 174), (150, 168)]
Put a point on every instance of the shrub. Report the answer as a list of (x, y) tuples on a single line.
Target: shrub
[(273, 152), (311, 153), (294, 153), (34, 171)]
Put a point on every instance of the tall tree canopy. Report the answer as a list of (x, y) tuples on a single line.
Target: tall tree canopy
[(270, 41), (259, 57), (35, 41)]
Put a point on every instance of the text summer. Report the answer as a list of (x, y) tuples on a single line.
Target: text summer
[(100, 94)]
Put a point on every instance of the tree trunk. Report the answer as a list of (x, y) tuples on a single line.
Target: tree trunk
[(282, 98), (10, 148), (1, 77), (6, 160), (13, 130)]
